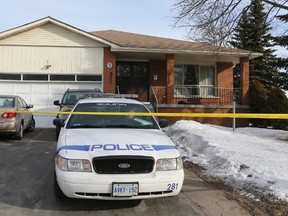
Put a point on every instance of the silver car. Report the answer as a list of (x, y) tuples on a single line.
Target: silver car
[(12, 122)]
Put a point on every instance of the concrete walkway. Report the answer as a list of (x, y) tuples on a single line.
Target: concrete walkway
[(210, 199)]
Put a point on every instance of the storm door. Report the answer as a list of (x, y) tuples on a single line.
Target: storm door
[(133, 78)]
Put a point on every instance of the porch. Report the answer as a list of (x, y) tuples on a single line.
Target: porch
[(204, 95)]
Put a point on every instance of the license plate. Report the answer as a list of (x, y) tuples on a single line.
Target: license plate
[(125, 189)]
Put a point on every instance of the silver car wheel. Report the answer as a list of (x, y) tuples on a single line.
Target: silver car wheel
[(32, 125), (19, 134)]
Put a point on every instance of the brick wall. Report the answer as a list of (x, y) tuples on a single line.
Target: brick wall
[(227, 122), (109, 76), (158, 68), (170, 78), (244, 81), (224, 75)]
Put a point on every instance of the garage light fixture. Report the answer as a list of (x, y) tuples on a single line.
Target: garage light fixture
[(46, 67)]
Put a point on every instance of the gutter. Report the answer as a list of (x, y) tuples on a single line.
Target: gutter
[(251, 55)]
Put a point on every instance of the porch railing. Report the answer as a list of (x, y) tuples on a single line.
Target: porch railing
[(198, 95), (153, 99)]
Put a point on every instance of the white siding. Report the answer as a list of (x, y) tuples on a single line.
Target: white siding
[(66, 51), (50, 35), (63, 60), (42, 96)]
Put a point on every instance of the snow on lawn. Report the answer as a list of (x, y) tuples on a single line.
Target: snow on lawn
[(251, 158)]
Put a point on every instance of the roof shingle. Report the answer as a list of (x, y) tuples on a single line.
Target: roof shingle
[(132, 40)]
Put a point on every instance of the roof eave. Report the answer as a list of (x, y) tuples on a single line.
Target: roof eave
[(239, 53), (23, 28), (46, 20), (253, 55)]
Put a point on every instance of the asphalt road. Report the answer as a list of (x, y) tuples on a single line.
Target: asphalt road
[(26, 187)]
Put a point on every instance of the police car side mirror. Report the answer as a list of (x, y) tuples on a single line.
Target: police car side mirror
[(59, 122), (57, 102), (163, 123)]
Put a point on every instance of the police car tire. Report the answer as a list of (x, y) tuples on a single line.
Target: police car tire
[(57, 133), (57, 190)]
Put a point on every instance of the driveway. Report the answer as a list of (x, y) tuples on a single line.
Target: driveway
[(26, 187)]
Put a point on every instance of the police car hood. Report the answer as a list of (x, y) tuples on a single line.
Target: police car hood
[(83, 143)]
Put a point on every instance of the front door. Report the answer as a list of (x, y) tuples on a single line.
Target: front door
[(133, 78)]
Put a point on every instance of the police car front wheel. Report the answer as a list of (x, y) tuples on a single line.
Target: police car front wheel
[(57, 190)]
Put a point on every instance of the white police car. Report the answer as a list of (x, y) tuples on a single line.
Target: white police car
[(115, 157)]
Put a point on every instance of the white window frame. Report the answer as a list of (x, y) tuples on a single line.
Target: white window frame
[(199, 90)]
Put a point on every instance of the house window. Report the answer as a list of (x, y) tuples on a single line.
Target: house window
[(194, 81)]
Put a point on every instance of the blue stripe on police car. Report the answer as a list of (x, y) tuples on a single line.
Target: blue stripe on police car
[(117, 147)]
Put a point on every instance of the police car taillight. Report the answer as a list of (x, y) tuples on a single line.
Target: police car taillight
[(9, 115)]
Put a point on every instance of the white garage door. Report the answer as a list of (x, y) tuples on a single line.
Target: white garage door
[(42, 96)]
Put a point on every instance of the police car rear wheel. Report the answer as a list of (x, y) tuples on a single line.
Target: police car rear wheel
[(57, 190)]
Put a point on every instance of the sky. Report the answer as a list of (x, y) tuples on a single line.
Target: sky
[(151, 17), (245, 159)]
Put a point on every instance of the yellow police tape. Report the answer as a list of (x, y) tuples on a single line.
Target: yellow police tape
[(205, 115)]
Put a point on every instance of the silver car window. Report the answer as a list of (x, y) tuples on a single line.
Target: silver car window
[(22, 103), (7, 102)]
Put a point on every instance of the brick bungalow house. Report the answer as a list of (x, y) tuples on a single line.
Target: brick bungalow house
[(179, 76), (40, 60)]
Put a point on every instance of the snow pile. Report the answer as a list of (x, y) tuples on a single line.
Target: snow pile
[(250, 158)]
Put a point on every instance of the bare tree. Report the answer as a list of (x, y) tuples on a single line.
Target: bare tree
[(213, 21)]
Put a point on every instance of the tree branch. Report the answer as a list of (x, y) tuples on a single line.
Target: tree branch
[(274, 4)]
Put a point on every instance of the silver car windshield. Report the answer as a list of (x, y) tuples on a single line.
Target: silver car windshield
[(111, 121), (71, 98)]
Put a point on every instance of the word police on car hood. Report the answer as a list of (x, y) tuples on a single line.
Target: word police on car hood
[(118, 147)]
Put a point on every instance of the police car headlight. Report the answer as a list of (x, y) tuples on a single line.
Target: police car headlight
[(61, 163), (169, 164), (74, 165)]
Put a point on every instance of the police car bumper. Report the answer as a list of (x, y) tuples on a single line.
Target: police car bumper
[(110, 187)]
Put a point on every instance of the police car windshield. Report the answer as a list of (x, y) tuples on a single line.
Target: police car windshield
[(131, 120)]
